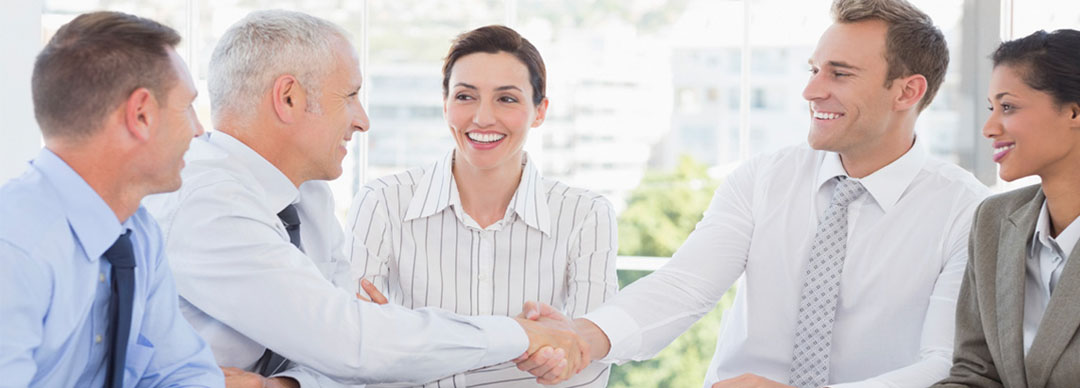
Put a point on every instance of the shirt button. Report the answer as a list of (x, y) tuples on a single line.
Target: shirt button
[(482, 277), (97, 339), (101, 277)]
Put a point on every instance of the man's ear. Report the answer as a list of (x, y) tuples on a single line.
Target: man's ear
[(912, 91), (288, 98), (140, 113)]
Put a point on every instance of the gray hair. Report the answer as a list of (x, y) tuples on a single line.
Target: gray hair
[(263, 46)]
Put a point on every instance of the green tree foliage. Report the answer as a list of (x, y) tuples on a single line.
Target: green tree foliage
[(663, 210), (660, 214)]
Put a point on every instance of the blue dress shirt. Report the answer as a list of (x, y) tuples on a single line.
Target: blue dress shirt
[(55, 290)]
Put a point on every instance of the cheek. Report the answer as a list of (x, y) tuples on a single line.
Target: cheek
[(458, 118), (517, 120)]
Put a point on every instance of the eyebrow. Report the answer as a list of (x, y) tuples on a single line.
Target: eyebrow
[(840, 64), (498, 89), (1002, 94)]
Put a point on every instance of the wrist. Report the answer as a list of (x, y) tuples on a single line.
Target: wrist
[(529, 327), (599, 344)]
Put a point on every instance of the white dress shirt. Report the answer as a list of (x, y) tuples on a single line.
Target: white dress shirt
[(245, 287), (555, 244), (906, 252), (1046, 259)]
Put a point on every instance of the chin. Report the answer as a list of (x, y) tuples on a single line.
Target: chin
[(1010, 176), (817, 143), (168, 187), (334, 174)]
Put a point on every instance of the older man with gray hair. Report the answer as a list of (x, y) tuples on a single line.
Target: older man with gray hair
[(256, 249)]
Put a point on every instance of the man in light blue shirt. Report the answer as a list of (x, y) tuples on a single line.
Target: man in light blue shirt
[(86, 296)]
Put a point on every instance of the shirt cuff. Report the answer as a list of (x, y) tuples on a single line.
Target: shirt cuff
[(506, 339), (621, 330)]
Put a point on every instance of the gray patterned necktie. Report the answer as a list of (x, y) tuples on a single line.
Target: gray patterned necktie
[(821, 289)]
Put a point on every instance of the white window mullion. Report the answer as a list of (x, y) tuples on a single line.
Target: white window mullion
[(360, 159)]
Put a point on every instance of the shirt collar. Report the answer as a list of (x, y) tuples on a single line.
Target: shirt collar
[(885, 185), (530, 201), (1065, 241), (93, 222), (437, 190), (280, 191)]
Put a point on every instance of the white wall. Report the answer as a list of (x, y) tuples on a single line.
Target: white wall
[(20, 23)]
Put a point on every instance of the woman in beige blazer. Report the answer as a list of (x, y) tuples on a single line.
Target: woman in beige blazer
[(1019, 306)]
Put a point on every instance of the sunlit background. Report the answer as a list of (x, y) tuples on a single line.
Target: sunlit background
[(652, 101)]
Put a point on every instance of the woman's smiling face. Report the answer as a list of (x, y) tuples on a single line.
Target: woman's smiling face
[(489, 109)]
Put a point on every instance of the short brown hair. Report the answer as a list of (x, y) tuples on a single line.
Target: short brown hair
[(493, 39), (913, 45), (95, 62)]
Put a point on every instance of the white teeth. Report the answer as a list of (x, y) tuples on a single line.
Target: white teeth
[(827, 116), (485, 137), (1005, 148)]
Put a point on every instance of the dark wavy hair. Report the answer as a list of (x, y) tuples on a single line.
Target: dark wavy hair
[(1048, 62)]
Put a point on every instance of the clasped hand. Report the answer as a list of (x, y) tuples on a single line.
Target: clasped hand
[(555, 351)]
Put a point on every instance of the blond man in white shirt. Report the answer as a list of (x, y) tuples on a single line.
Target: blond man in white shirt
[(481, 231), (257, 251), (905, 233)]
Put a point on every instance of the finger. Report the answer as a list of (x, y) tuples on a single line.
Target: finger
[(586, 354), (551, 365), (361, 297), (553, 377), (538, 358), (524, 356), (573, 362), (546, 310), (370, 289), (230, 371)]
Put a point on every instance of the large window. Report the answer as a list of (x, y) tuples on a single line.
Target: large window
[(647, 96), (634, 85)]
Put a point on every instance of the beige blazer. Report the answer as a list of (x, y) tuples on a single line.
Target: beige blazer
[(990, 310)]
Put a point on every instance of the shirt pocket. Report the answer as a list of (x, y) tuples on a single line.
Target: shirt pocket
[(138, 358)]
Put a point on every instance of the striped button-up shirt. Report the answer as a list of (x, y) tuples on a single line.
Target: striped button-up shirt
[(556, 244)]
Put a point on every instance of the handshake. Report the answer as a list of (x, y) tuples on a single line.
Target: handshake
[(558, 347)]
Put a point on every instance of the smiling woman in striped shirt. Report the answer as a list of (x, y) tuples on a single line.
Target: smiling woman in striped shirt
[(480, 232)]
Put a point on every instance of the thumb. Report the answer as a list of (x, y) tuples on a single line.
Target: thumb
[(531, 310)]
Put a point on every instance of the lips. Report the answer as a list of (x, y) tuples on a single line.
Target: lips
[(818, 115), (485, 137), (1002, 148)]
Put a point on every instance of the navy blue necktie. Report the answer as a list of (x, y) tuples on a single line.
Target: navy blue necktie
[(270, 362), (122, 257), (291, 219)]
